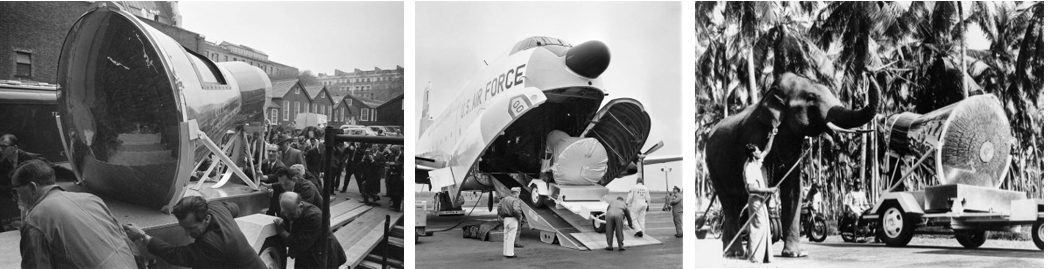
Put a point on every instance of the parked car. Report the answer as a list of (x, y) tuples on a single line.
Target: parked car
[(357, 130)]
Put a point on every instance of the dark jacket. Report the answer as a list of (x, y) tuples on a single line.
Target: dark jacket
[(308, 237), (292, 157), (222, 245), (313, 159), (268, 170), (309, 193)]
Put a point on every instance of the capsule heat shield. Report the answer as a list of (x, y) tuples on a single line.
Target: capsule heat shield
[(972, 139)]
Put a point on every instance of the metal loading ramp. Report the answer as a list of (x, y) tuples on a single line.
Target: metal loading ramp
[(558, 224)]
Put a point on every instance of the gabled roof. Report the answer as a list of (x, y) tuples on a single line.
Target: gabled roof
[(280, 88), (370, 103), (337, 99), (399, 97), (314, 91)]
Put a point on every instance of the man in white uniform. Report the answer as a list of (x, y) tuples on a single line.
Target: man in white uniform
[(637, 200)]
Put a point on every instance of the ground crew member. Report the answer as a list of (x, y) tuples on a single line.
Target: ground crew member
[(677, 209), (613, 221), (66, 229), (218, 241), (302, 229), (638, 200), (512, 214)]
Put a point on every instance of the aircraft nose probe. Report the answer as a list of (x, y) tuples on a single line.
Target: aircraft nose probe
[(588, 59)]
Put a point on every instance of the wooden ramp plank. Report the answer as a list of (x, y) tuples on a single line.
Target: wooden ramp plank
[(600, 241), (361, 235), (341, 220)]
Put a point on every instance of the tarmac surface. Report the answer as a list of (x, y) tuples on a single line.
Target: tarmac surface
[(449, 250), (923, 251)]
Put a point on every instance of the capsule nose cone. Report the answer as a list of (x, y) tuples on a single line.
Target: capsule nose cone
[(588, 59)]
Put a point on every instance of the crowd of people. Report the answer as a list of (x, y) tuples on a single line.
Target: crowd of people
[(370, 165), (53, 235)]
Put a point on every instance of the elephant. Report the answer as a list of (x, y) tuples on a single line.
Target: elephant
[(799, 108)]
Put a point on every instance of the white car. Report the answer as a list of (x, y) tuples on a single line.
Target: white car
[(357, 130)]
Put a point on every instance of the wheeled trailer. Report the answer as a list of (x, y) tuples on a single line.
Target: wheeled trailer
[(966, 146)]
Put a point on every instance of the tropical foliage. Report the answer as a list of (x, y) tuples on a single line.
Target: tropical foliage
[(916, 54)]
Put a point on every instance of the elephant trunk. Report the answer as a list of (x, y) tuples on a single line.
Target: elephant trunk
[(852, 118)]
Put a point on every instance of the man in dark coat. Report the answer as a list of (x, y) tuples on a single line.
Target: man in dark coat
[(314, 157), (297, 183), (219, 243), (395, 179), (303, 231), (268, 172), (10, 157), (288, 155), (352, 160), (287, 181)]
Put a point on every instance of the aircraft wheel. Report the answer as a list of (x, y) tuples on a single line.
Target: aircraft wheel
[(970, 239), (896, 228), (537, 200), (1038, 234), (598, 226)]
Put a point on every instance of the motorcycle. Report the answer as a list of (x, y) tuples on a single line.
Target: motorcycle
[(813, 225), (850, 233), (714, 221)]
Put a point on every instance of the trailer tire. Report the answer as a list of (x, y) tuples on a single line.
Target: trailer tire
[(896, 229), (537, 200), (598, 226), (1038, 234), (970, 239), (271, 254)]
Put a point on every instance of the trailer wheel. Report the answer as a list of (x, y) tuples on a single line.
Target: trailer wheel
[(598, 226), (1038, 234), (271, 254), (896, 228), (537, 200), (970, 239)]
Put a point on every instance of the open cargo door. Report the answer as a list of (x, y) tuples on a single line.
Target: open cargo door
[(622, 126)]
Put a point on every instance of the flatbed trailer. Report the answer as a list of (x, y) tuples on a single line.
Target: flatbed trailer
[(966, 147)]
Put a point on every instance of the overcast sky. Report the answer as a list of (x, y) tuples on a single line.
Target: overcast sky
[(452, 39), (317, 36)]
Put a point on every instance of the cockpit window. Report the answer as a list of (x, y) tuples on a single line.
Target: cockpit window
[(538, 41)]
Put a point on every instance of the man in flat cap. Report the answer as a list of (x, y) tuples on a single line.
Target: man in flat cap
[(511, 212)]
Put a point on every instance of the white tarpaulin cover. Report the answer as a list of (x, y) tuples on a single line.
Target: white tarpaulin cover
[(576, 161)]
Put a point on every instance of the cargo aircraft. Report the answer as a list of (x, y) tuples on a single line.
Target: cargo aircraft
[(535, 118)]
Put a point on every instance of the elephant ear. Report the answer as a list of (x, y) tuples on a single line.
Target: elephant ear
[(771, 108)]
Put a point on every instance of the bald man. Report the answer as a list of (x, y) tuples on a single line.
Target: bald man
[(303, 231)]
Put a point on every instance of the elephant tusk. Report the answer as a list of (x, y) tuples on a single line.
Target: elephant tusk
[(838, 129)]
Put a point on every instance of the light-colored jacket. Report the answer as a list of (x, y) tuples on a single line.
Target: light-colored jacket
[(638, 195), (73, 230)]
